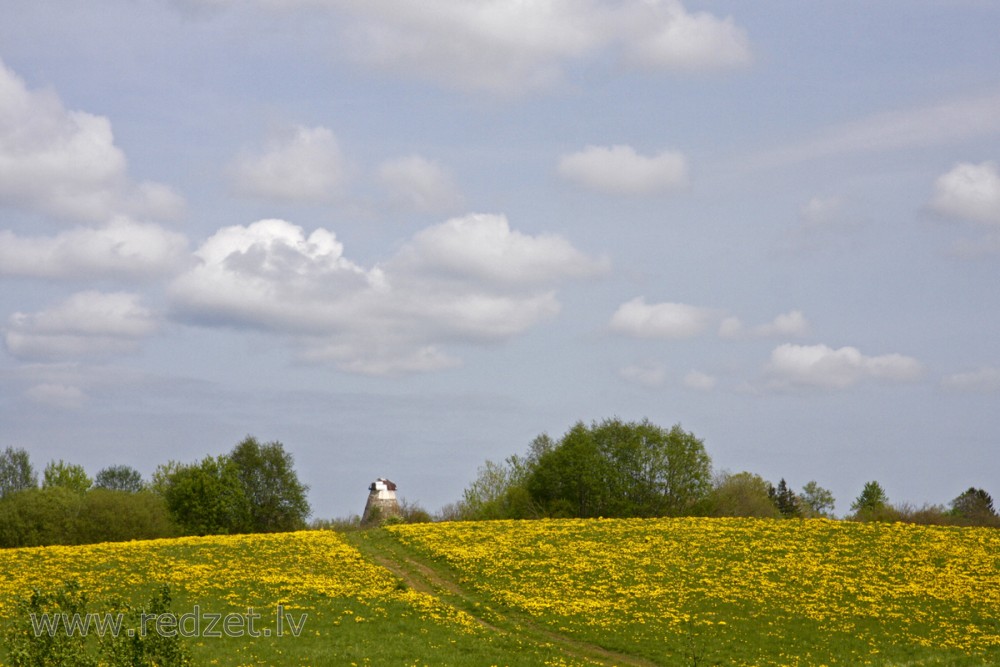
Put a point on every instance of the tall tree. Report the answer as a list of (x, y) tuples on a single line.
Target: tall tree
[(817, 501), (207, 498), (614, 468), (785, 500), (975, 505), (119, 478), (870, 502), (277, 499), (16, 472), (70, 476)]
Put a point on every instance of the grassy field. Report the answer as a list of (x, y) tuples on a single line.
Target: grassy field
[(595, 592)]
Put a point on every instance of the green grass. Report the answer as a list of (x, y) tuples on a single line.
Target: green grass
[(642, 593)]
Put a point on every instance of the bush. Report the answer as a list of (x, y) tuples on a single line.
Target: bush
[(743, 494), (57, 515), (118, 516), (28, 648), (57, 647), (37, 517)]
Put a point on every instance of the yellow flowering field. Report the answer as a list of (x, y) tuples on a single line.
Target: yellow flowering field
[(350, 610), (740, 591)]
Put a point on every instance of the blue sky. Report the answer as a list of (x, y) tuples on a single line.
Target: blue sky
[(403, 238)]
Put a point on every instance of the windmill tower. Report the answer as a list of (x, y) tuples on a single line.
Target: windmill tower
[(382, 502)]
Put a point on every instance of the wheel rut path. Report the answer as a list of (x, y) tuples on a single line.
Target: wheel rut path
[(425, 576)]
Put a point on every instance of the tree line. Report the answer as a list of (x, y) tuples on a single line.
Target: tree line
[(614, 468), (253, 488)]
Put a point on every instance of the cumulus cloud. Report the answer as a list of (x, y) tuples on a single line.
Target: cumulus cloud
[(985, 380), (620, 170), (650, 375), (484, 248), (86, 324), (122, 249), (468, 280), (65, 163), (700, 381), (304, 164), (664, 35), (660, 320), (969, 192), (823, 367), (509, 47), (786, 325), (418, 184)]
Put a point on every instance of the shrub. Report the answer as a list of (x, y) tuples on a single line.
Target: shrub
[(117, 516), (37, 517), (743, 494)]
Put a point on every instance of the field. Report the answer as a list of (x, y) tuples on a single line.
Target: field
[(566, 592)]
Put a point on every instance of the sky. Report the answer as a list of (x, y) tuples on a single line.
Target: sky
[(405, 238)]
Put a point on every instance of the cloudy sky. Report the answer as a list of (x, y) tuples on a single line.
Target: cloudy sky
[(403, 238)]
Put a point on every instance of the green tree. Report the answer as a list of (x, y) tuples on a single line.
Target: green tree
[(66, 475), (872, 503), (108, 515), (614, 468), (119, 478), (208, 498), (39, 517), (816, 501), (570, 479), (975, 506), (742, 494), (277, 499), (785, 500), (16, 472), (500, 489), (161, 478)]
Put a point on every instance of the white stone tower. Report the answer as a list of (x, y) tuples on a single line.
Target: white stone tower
[(382, 502)]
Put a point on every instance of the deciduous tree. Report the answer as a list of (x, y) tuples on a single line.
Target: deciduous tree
[(276, 498), (66, 475), (16, 472), (119, 478)]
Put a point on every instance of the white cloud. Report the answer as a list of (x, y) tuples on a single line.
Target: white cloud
[(467, 280), (484, 248), (650, 375), (699, 381), (87, 324), (985, 380), (65, 163), (509, 47), (304, 164), (969, 192), (620, 170), (660, 320), (666, 36), (122, 248), (790, 324), (824, 367), (947, 122), (419, 184)]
